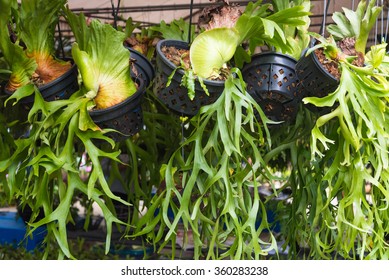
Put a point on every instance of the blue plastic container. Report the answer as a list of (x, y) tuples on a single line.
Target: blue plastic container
[(13, 232)]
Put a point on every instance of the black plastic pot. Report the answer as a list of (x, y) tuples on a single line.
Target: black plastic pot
[(61, 88), (272, 82), (317, 81), (125, 117), (175, 96), (142, 67)]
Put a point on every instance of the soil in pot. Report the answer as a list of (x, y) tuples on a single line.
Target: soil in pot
[(330, 66), (320, 75), (347, 46), (176, 55)]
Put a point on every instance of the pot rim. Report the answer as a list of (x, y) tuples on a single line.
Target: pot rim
[(274, 53), (270, 57)]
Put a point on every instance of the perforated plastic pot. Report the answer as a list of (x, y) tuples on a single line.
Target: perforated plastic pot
[(125, 117), (175, 96), (272, 82), (61, 88), (317, 81)]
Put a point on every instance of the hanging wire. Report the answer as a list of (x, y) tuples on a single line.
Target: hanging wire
[(118, 9), (382, 23), (387, 25), (326, 5), (190, 21), (115, 13), (376, 31), (189, 41)]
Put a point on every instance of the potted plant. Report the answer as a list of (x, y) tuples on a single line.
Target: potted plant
[(318, 68), (270, 75), (171, 55), (44, 168), (126, 114), (212, 179), (177, 85), (169, 52), (168, 85), (338, 179), (27, 45)]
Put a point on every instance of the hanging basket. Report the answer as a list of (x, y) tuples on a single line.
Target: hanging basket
[(317, 81), (127, 116), (175, 96), (61, 88), (272, 82)]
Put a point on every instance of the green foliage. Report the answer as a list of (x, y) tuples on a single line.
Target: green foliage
[(18, 66), (210, 51), (350, 145), (130, 27), (335, 165), (178, 29), (355, 24), (290, 156), (147, 152), (328, 45), (297, 36), (44, 167), (102, 60), (258, 26), (6, 145), (36, 24), (282, 28), (211, 182)]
